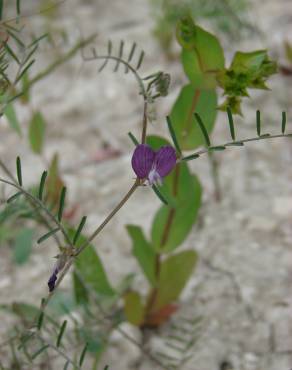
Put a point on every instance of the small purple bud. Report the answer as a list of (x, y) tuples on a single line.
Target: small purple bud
[(59, 265), (153, 165), (52, 280)]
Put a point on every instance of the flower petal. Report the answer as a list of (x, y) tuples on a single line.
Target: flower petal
[(165, 160), (154, 177), (52, 281), (142, 160)]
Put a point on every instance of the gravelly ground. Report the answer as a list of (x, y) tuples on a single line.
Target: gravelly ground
[(242, 285)]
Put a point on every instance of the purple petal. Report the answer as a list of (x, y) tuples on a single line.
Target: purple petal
[(52, 281), (142, 160), (165, 160)]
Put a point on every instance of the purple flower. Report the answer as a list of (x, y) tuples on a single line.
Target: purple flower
[(52, 280), (59, 265), (151, 165)]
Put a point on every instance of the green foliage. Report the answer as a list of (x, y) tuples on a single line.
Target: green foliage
[(90, 269), (37, 128), (134, 308), (12, 118), (171, 225), (192, 100), (175, 272), (23, 245), (48, 235), (54, 183), (227, 16), (247, 71), (203, 63), (202, 54), (143, 252)]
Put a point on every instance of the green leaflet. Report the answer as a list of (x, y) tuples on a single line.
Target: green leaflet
[(54, 183), (23, 245), (191, 100), (134, 308), (96, 341), (89, 272), (80, 291), (37, 128), (156, 141), (171, 226), (143, 252), (175, 272), (12, 118), (202, 54)]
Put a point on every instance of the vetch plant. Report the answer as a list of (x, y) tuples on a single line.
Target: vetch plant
[(164, 166)]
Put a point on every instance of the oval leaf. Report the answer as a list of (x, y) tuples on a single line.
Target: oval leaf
[(37, 132), (90, 269), (191, 100), (143, 252), (175, 272), (134, 309), (202, 54), (171, 226)]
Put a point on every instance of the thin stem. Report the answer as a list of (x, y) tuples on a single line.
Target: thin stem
[(109, 217), (106, 317), (233, 143), (42, 206), (171, 213), (36, 208), (56, 349), (91, 237), (135, 73), (145, 121), (80, 44), (57, 3), (7, 171), (140, 83)]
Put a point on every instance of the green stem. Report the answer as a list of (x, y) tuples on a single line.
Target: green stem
[(92, 236), (63, 59), (128, 65), (197, 154), (139, 81), (32, 203), (42, 206)]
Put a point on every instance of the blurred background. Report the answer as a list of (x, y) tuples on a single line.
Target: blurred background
[(242, 284)]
